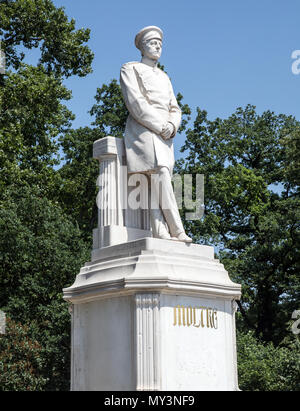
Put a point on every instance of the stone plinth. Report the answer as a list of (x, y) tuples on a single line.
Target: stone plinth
[(153, 314)]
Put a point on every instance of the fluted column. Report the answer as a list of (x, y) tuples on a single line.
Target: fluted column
[(107, 199), (147, 329), (117, 223)]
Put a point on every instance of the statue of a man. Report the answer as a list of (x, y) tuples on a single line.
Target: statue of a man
[(151, 126)]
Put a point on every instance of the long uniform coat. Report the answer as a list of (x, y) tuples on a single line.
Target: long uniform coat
[(150, 100)]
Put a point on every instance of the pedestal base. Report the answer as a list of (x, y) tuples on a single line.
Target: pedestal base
[(153, 315)]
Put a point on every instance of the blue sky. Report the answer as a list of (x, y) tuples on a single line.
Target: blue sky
[(219, 54)]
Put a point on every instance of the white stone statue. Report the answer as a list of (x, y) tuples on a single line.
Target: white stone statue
[(151, 126)]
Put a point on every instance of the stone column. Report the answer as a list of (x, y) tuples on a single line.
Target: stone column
[(117, 223), (147, 340)]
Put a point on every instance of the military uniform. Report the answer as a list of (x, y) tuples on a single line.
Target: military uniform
[(150, 100)]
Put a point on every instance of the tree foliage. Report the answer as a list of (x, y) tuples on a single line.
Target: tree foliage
[(31, 118), (41, 251), (32, 115), (39, 24), (41, 248), (21, 361), (264, 367), (78, 176)]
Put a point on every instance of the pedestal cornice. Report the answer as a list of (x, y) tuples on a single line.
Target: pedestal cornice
[(152, 265)]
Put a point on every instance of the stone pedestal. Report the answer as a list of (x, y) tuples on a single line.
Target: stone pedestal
[(153, 314)]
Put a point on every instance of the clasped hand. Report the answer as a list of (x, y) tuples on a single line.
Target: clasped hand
[(168, 131)]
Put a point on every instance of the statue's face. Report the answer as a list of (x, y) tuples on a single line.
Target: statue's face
[(152, 49)]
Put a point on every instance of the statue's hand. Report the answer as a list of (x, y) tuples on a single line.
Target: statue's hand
[(168, 131)]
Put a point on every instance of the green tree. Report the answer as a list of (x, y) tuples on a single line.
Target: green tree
[(32, 115), (21, 361), (109, 110), (251, 209), (41, 251), (78, 190), (39, 24), (264, 367), (31, 118)]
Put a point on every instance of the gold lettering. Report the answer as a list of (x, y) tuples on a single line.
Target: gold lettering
[(202, 320), (183, 315), (179, 315), (216, 319), (207, 317), (210, 318), (195, 319), (175, 315), (187, 316)]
